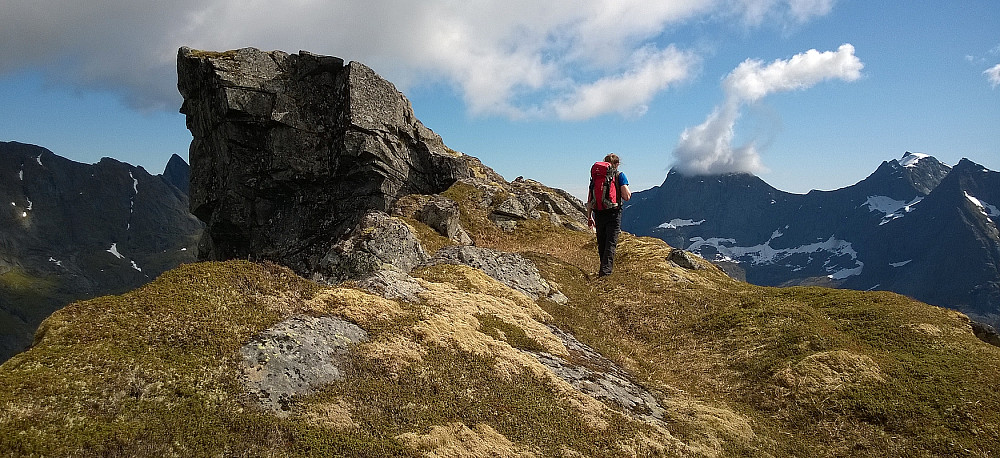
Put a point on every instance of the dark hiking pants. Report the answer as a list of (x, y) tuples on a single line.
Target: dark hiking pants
[(608, 224)]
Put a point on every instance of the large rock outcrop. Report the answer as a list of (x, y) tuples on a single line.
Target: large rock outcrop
[(291, 150)]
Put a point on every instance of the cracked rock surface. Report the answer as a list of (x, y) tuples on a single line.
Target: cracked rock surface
[(290, 151), (601, 378)]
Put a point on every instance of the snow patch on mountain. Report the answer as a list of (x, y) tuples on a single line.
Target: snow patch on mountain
[(844, 273), (900, 264), (911, 159), (135, 188), (987, 209), (890, 207), (884, 204), (764, 254), (676, 223), (114, 250)]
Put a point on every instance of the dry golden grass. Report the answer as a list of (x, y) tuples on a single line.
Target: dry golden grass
[(334, 414), (824, 373), (456, 440)]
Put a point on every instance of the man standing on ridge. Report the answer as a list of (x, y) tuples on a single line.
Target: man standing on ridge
[(608, 190)]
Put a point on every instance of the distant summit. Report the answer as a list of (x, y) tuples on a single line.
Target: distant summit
[(914, 226), (178, 173)]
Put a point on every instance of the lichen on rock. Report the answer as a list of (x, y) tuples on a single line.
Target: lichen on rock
[(297, 356)]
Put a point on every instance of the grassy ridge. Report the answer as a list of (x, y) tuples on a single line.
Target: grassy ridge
[(841, 372), (741, 370)]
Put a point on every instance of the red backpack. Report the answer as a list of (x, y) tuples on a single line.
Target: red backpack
[(603, 186)]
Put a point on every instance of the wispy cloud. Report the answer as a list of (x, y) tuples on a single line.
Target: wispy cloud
[(783, 12), (630, 92), (515, 58), (993, 75), (708, 148)]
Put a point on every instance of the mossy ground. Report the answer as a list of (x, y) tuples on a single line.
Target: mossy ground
[(741, 370)]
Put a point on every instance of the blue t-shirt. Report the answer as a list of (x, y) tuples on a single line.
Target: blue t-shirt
[(622, 180)]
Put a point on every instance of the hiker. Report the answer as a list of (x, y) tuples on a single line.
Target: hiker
[(608, 189)]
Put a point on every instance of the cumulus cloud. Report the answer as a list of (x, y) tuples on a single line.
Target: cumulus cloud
[(708, 148), (515, 58), (993, 75)]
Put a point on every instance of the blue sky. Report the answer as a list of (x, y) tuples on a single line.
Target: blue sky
[(542, 89)]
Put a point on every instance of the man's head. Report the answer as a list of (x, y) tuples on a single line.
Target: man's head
[(613, 159)]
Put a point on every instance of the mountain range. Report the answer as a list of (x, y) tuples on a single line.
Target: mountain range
[(73, 231), (915, 226)]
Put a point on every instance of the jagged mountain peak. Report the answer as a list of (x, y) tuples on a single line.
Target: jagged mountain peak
[(966, 165), (911, 159), (912, 172), (178, 173)]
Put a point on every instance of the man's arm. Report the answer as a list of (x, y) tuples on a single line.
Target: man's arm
[(624, 192)]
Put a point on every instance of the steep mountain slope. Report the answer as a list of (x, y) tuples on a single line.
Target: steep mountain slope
[(947, 250), (74, 231), (866, 236)]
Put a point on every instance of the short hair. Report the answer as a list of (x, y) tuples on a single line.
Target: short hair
[(612, 158)]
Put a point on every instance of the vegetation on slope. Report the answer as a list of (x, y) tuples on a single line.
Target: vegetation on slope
[(740, 369)]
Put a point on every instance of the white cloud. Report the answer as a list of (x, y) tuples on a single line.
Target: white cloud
[(751, 80), (993, 75), (508, 57), (804, 10), (708, 148), (627, 93)]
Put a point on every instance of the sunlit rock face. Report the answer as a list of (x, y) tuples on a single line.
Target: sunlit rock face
[(289, 151)]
